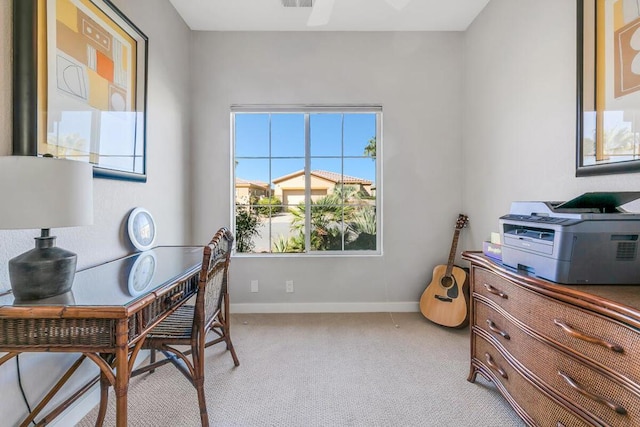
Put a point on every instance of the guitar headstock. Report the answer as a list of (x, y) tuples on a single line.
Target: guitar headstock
[(462, 221)]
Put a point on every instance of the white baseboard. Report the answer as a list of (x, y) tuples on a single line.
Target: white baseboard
[(79, 409), (328, 307)]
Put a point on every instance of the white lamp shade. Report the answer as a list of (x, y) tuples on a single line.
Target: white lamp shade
[(43, 192)]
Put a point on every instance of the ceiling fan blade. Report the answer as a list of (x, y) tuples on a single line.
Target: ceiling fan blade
[(398, 4), (320, 13)]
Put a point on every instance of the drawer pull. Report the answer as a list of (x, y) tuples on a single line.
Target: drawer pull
[(572, 332), (574, 385), (496, 291), (494, 328), (495, 367)]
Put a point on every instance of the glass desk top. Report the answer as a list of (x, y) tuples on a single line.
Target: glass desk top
[(123, 281)]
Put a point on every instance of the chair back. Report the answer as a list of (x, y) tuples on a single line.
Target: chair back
[(212, 284)]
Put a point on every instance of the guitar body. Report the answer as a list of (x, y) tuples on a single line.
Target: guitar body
[(446, 299)]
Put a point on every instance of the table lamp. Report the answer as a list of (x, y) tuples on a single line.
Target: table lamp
[(45, 193)]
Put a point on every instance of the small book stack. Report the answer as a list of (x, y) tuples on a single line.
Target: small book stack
[(493, 248)]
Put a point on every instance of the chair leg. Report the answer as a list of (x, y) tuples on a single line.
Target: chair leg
[(204, 417), (198, 381), (224, 320), (226, 329), (152, 359), (232, 350)]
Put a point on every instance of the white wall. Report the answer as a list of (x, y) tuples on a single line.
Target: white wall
[(165, 194), (416, 77), (519, 110), (472, 121)]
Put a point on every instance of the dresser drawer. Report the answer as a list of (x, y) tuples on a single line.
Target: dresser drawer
[(557, 370), (538, 406), (602, 340)]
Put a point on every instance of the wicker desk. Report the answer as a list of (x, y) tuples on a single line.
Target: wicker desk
[(105, 317)]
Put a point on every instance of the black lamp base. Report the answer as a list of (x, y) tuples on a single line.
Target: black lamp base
[(42, 272), (66, 298)]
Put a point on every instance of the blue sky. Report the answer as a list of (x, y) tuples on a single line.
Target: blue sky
[(287, 146)]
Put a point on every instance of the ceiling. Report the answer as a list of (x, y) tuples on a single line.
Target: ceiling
[(347, 15)]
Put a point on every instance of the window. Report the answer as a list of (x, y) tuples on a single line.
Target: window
[(306, 180)]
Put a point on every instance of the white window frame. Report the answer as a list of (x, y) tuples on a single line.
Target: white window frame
[(311, 109)]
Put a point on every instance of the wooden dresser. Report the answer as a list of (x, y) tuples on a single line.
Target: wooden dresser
[(562, 355)]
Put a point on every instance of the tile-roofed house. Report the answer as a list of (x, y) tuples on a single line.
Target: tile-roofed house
[(290, 188), (245, 189)]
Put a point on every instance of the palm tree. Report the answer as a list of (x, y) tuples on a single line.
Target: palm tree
[(364, 221), (282, 244), (362, 230), (370, 149), (328, 214), (325, 218)]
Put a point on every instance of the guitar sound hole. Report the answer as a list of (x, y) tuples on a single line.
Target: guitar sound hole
[(446, 282)]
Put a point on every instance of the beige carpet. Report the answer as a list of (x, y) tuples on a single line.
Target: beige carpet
[(326, 370)]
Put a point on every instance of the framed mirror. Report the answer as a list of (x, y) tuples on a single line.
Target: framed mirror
[(80, 85), (608, 83)]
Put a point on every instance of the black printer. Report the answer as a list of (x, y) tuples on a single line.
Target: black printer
[(587, 240)]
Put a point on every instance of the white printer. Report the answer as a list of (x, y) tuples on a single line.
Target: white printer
[(587, 240)]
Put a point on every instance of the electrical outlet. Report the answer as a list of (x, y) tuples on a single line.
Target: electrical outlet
[(254, 286), (289, 284)]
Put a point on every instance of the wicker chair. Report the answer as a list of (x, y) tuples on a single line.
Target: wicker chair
[(189, 324)]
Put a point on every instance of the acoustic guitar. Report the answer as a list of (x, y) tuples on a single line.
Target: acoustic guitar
[(446, 299)]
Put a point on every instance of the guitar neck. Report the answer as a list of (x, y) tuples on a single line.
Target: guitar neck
[(452, 252)]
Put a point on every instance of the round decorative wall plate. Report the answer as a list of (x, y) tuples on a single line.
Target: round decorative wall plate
[(141, 228), (141, 273)]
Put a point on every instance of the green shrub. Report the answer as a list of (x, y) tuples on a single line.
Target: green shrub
[(246, 228), (269, 206)]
